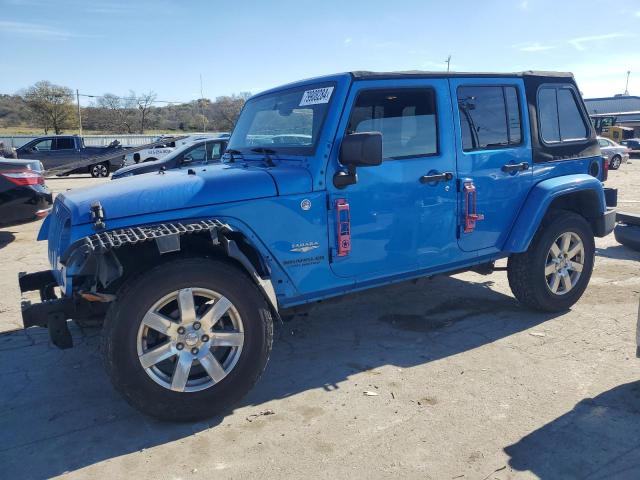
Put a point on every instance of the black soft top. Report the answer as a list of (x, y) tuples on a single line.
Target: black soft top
[(533, 80), (366, 75)]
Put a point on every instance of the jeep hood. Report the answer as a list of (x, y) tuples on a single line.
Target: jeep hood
[(177, 189)]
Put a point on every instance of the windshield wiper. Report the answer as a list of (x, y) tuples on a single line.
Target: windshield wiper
[(267, 154), (232, 152)]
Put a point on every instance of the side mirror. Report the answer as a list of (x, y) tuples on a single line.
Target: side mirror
[(358, 150), (362, 149)]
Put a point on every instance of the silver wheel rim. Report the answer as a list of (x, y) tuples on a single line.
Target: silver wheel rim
[(616, 162), (565, 262), (190, 339)]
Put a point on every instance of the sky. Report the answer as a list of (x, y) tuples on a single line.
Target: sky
[(164, 46)]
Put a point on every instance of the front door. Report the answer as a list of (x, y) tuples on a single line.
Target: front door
[(494, 157), (402, 212)]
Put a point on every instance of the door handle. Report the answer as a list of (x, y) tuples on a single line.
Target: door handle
[(515, 167), (439, 177)]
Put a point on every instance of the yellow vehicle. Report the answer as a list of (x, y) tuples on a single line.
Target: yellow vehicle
[(617, 133)]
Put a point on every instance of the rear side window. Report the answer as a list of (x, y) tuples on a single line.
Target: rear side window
[(489, 117), (64, 144), (405, 117), (560, 117)]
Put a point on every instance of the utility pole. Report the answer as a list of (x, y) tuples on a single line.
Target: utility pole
[(448, 62), (626, 87), (79, 114), (202, 106)]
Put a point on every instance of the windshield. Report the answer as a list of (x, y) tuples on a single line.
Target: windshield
[(288, 121)]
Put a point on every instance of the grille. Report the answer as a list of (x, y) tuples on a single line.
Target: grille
[(59, 232)]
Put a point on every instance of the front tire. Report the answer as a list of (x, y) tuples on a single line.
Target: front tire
[(554, 272), (187, 339)]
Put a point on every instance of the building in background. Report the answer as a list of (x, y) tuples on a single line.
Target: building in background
[(617, 118)]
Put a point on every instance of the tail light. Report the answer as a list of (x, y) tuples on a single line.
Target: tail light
[(605, 168), (23, 177)]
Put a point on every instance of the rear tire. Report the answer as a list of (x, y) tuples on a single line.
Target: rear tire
[(99, 170), (615, 163), (218, 371), (552, 275)]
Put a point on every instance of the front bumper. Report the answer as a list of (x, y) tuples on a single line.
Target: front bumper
[(53, 312)]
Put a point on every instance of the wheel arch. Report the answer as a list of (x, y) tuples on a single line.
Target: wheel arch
[(582, 194), (102, 262)]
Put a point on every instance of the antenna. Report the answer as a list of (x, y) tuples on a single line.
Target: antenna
[(626, 87), (448, 62)]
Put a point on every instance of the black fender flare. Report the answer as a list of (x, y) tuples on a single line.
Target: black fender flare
[(97, 254)]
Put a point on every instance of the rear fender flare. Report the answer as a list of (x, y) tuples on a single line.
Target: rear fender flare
[(540, 198)]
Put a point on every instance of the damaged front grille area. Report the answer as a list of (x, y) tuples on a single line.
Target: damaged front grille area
[(112, 239)]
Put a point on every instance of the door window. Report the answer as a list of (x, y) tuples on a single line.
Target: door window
[(559, 114), (603, 142), (43, 146), (64, 144), (405, 117), (214, 150), (489, 117), (196, 154)]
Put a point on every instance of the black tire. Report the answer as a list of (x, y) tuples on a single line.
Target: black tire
[(615, 162), (628, 235), (137, 295), (99, 170), (149, 160), (526, 271)]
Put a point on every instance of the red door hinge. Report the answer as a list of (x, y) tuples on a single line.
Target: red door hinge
[(343, 227), (470, 213)]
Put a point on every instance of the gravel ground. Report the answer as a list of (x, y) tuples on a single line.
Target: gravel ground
[(469, 385)]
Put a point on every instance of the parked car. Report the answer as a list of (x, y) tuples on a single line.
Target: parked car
[(400, 176), (57, 152), (189, 155), (632, 144), (615, 153), (23, 194), (164, 148)]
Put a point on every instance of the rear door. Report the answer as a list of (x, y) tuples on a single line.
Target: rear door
[(494, 158), (63, 151)]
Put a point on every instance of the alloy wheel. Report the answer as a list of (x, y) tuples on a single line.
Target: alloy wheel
[(564, 264), (190, 339)]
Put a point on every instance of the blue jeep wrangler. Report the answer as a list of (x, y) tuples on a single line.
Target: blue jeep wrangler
[(329, 186)]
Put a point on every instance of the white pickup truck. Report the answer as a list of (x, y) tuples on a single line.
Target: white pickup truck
[(162, 149)]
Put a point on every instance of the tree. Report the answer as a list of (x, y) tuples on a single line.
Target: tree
[(225, 111), (145, 101), (51, 105), (120, 112)]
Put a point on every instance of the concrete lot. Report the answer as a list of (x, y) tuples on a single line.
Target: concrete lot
[(470, 386)]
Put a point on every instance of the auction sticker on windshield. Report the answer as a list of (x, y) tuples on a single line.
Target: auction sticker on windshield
[(316, 96)]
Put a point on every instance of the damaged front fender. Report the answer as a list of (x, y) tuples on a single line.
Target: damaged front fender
[(95, 257)]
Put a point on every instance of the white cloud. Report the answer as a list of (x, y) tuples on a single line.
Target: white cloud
[(347, 41), (578, 43), (533, 47), (34, 30), (524, 5)]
